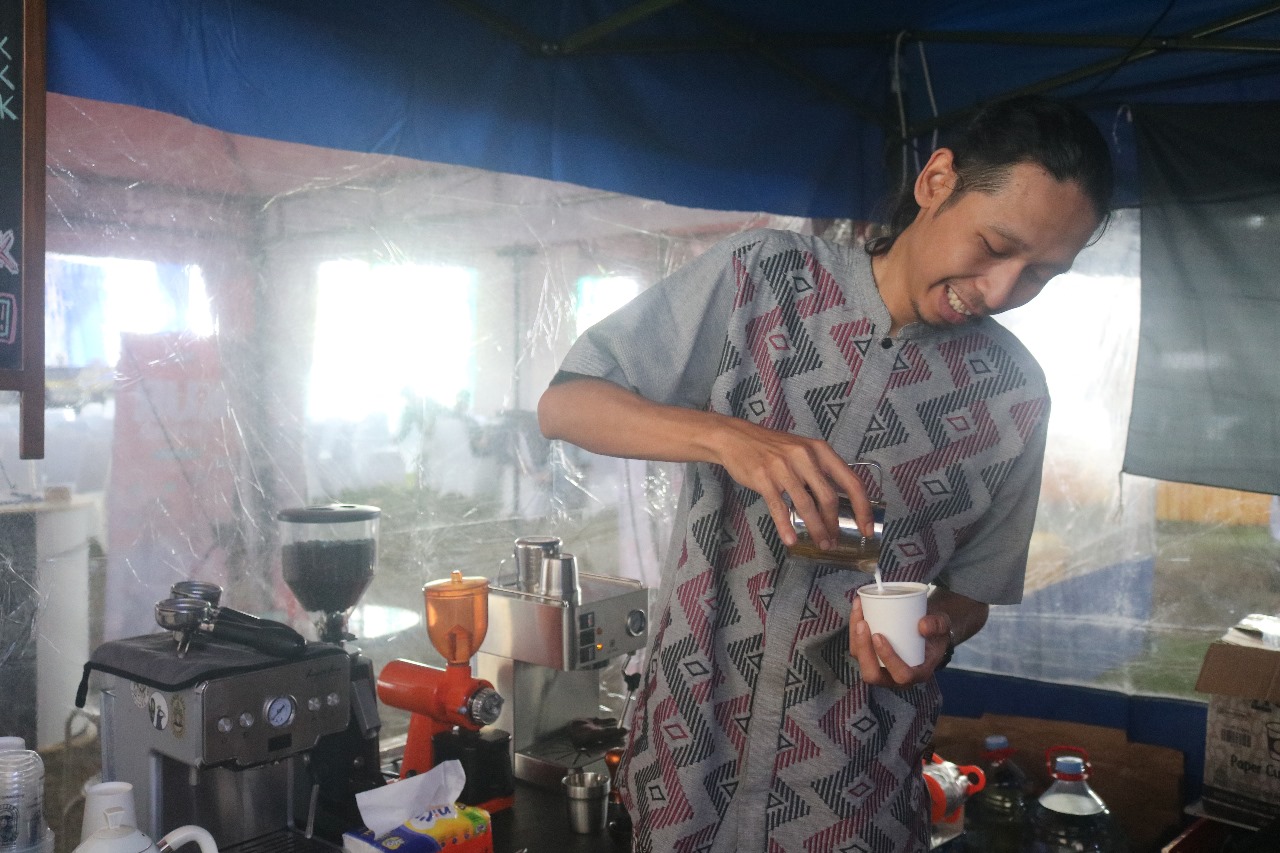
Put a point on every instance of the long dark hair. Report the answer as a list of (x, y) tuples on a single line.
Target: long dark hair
[(1054, 135)]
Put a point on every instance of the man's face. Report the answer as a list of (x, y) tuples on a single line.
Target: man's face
[(983, 253)]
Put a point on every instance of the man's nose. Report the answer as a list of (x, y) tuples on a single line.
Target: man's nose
[(999, 284)]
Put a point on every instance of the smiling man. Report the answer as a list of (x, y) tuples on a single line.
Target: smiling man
[(768, 364)]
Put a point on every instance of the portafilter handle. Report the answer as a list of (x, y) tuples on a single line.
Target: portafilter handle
[(186, 616), (212, 593)]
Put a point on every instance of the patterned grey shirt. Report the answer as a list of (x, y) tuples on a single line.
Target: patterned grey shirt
[(754, 730)]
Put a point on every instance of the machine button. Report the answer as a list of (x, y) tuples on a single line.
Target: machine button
[(587, 654), (587, 620), (332, 700), (246, 720), (313, 704), (225, 725), (586, 638)]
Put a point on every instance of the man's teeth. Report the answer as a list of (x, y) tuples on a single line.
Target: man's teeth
[(956, 304)]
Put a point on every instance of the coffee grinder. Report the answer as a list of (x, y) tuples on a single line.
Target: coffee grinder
[(329, 554), (451, 710), (554, 630)]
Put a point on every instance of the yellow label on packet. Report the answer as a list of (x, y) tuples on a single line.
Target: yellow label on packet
[(451, 824), (444, 824), (437, 829)]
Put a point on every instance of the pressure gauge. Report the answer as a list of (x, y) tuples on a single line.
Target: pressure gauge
[(280, 711)]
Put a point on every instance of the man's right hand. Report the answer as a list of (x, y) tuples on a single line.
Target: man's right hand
[(605, 418)]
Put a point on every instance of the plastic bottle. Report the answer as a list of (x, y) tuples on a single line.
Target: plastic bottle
[(995, 817), (1070, 817)]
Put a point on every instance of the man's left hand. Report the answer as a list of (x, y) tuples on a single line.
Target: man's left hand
[(865, 646)]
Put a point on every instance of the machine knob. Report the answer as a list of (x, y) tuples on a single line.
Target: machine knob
[(484, 706), (637, 621)]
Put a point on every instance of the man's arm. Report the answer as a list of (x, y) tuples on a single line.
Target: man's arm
[(951, 618), (603, 417)]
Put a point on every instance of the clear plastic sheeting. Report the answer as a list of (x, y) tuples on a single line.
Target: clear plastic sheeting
[(237, 326)]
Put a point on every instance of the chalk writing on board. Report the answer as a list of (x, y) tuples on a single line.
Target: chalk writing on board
[(6, 254), (8, 306), (5, 111)]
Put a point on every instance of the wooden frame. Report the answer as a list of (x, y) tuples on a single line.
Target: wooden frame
[(24, 242)]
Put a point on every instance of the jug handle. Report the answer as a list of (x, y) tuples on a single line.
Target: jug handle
[(185, 834), (1053, 752), (977, 779), (878, 471)]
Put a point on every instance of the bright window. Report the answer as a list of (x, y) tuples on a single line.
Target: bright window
[(91, 302), (385, 332), (600, 296)]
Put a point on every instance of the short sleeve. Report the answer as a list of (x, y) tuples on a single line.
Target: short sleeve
[(666, 344), (991, 567)]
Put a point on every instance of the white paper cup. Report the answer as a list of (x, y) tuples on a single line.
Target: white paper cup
[(101, 796), (895, 610)]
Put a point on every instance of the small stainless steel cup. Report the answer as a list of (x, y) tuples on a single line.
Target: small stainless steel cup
[(560, 578), (587, 795), (851, 547), (530, 551)]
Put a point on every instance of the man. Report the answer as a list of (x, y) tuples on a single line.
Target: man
[(769, 364)]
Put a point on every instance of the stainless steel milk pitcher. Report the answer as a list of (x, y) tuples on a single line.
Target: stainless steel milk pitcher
[(851, 548)]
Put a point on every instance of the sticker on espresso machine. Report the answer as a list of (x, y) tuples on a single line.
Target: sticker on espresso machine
[(158, 711), (178, 715), (139, 694)]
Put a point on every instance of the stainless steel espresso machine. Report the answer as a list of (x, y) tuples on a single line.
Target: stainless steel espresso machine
[(238, 724), (219, 737), (552, 631)]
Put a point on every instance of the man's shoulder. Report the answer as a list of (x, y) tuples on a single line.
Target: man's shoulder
[(771, 240)]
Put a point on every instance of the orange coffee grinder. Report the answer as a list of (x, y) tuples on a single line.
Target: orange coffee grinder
[(450, 709)]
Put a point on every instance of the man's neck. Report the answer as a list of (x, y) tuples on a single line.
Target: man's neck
[(887, 276)]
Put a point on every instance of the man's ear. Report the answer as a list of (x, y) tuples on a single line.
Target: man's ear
[(936, 181)]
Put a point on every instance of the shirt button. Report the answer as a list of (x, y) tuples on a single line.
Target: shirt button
[(887, 343)]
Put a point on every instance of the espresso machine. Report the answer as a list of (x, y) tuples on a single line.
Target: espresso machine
[(214, 731), (238, 724), (451, 710), (553, 630)]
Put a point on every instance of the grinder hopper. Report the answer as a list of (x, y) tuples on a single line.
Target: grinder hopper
[(328, 555)]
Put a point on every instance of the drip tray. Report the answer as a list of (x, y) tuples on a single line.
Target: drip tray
[(546, 762), (284, 841)]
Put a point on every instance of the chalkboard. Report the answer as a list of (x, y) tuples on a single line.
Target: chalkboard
[(22, 156)]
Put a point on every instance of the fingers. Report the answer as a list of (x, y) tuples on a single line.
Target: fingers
[(795, 472), (780, 466), (816, 502), (846, 481)]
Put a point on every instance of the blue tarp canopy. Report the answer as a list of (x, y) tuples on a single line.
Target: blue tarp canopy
[(770, 105)]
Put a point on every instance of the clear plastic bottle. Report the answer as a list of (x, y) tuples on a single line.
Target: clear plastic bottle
[(996, 816), (1070, 817)]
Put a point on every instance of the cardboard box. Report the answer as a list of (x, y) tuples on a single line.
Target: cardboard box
[(1242, 732)]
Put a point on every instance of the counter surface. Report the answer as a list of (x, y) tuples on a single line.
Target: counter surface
[(539, 823)]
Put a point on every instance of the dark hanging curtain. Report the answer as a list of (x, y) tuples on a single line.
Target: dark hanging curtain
[(1206, 402)]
